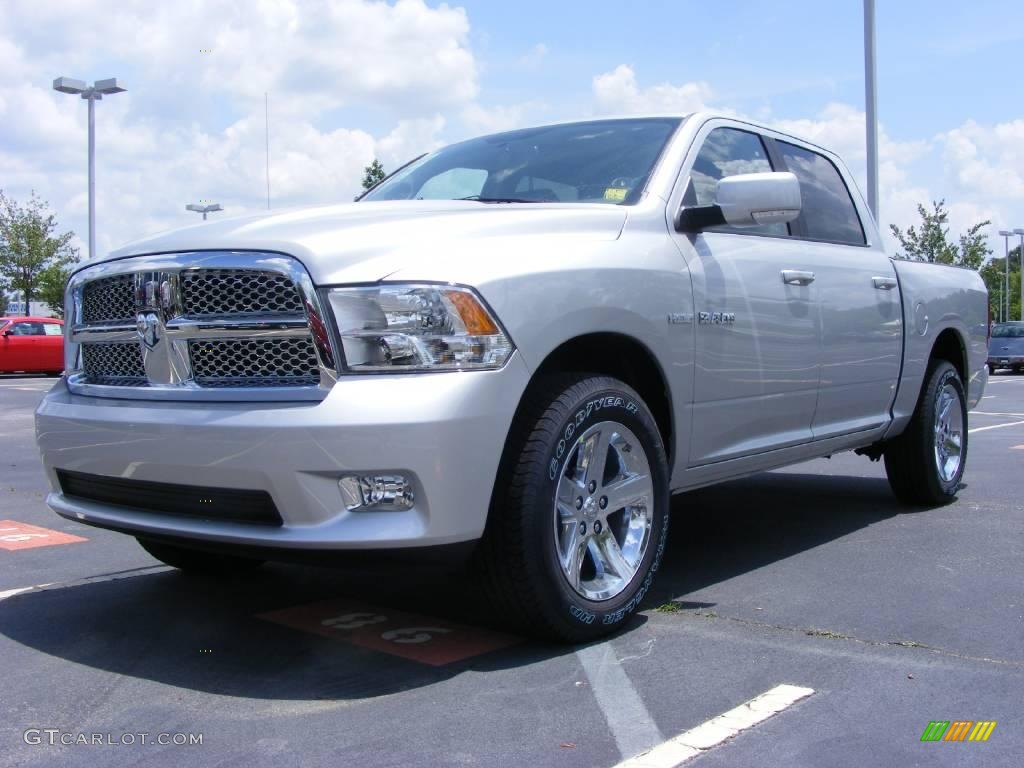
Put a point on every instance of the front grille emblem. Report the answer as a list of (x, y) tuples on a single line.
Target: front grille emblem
[(150, 328), (155, 300)]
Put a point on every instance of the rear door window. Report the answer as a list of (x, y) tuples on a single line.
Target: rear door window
[(828, 212)]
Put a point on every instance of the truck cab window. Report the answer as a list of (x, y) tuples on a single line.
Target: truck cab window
[(828, 210), (728, 152)]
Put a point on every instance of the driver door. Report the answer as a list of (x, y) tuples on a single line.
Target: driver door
[(757, 336)]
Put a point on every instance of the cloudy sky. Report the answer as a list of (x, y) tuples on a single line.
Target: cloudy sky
[(349, 80)]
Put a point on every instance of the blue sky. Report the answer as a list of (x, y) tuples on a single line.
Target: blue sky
[(349, 80)]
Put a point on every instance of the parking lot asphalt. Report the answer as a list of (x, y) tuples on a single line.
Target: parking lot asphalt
[(811, 576)]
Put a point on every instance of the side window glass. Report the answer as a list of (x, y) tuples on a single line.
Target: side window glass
[(453, 184), (52, 329), (23, 329), (728, 152), (828, 210)]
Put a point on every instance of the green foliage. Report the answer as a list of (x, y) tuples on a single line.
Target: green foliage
[(30, 246), (931, 241), (374, 173), (993, 273), (52, 282)]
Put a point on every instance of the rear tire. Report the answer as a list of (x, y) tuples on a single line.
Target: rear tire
[(991, 370), (196, 561), (570, 549), (926, 463)]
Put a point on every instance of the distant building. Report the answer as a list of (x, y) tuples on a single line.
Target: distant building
[(17, 307)]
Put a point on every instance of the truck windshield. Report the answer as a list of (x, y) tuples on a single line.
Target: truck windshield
[(1014, 331), (601, 161)]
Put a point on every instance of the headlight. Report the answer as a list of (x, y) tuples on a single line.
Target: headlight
[(417, 328)]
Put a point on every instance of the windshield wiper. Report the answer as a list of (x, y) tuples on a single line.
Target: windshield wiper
[(479, 199)]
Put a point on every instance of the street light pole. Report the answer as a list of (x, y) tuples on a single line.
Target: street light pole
[(203, 209), (871, 105), (1006, 234), (92, 94), (1021, 233)]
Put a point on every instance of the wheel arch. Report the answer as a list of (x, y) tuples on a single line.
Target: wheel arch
[(949, 345), (620, 356)]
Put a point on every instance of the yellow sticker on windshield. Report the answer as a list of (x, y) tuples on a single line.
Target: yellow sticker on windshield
[(615, 194)]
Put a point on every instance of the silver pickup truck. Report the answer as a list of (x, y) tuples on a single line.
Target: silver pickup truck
[(519, 345)]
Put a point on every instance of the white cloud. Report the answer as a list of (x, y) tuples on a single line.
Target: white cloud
[(986, 159), (534, 57), (617, 92), (405, 59), (312, 55), (479, 119), (409, 139)]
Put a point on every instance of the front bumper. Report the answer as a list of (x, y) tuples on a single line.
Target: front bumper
[(444, 430)]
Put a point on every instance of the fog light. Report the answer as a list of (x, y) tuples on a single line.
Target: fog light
[(376, 492)]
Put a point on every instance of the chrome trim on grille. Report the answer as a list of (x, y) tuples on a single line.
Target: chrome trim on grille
[(165, 323)]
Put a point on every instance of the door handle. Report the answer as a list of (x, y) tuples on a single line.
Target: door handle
[(884, 283), (796, 277)]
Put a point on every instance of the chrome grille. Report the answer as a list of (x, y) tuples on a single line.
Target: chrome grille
[(109, 299), (116, 364), (254, 362), (220, 292), (161, 327)]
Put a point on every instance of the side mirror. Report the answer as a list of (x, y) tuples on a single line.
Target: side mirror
[(9, 332), (746, 200)]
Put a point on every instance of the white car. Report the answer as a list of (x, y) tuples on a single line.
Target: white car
[(518, 346)]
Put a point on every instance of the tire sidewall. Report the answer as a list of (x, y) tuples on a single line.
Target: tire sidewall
[(578, 616), (945, 374)]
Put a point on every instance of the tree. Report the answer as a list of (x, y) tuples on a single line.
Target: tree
[(52, 282), (29, 245), (993, 273), (374, 173), (931, 242)]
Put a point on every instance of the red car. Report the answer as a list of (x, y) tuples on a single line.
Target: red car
[(31, 345)]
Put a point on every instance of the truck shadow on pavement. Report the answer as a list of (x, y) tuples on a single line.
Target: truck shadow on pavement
[(173, 629)]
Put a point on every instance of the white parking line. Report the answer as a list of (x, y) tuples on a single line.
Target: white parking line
[(990, 413), (696, 741), (628, 719), (117, 575), (994, 426)]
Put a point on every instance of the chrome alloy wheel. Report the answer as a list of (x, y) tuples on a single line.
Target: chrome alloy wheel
[(949, 432), (603, 510)]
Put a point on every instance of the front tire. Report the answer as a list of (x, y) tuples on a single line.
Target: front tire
[(197, 562), (926, 463), (579, 516)]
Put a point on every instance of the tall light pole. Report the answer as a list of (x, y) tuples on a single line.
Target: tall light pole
[(1006, 234), (871, 105), (203, 209), (92, 94), (1021, 233)]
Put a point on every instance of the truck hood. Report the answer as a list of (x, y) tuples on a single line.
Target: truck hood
[(365, 242)]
